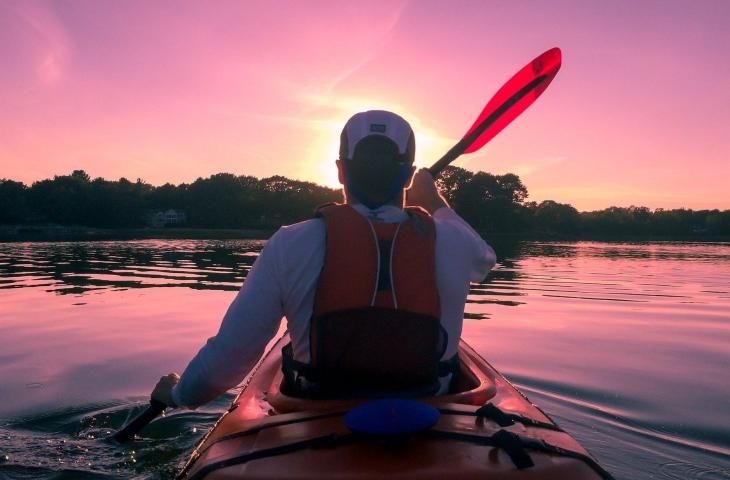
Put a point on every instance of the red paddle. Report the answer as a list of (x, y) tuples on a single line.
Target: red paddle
[(513, 98)]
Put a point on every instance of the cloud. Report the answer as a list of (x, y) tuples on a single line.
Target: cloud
[(52, 44), (382, 36)]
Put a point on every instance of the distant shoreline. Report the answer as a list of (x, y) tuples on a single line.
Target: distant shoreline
[(57, 209), (62, 233), (551, 237)]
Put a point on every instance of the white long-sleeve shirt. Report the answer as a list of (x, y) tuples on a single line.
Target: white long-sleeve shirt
[(283, 282)]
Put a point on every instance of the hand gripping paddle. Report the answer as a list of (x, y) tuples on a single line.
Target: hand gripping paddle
[(513, 98)]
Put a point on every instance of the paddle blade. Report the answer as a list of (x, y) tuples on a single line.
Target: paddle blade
[(141, 421), (513, 98)]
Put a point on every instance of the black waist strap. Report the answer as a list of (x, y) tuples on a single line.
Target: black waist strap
[(449, 366), (294, 368), (296, 372)]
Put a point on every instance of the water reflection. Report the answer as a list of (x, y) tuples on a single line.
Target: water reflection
[(579, 271), (76, 268), (626, 344)]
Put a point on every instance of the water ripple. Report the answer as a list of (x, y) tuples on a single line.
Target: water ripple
[(78, 267)]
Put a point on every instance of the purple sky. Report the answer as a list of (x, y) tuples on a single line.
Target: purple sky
[(169, 91)]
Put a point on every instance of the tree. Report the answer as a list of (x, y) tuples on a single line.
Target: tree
[(551, 216), (64, 200), (221, 201), (13, 202), (491, 203), (512, 187), (451, 180)]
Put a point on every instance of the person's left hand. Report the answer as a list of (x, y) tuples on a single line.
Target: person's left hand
[(163, 389), (423, 192)]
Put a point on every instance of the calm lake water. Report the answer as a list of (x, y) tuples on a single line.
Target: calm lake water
[(626, 345)]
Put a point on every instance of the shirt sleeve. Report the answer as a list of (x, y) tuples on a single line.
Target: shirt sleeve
[(483, 256), (250, 323)]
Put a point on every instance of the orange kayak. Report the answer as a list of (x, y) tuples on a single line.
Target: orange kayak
[(486, 429)]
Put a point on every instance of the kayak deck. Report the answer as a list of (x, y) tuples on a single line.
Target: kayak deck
[(487, 428)]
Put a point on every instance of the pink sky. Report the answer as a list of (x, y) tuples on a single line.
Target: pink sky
[(170, 91)]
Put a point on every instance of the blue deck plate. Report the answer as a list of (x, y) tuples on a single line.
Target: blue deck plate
[(391, 417)]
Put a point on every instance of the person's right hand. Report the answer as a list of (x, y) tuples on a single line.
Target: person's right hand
[(163, 389), (423, 192)]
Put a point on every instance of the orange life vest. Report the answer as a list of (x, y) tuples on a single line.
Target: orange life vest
[(375, 328)]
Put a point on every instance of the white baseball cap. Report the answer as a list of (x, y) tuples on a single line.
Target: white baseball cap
[(380, 123)]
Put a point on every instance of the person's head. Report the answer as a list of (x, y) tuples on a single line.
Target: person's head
[(377, 149)]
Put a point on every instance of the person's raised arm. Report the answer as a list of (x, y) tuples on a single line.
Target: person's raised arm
[(424, 193)]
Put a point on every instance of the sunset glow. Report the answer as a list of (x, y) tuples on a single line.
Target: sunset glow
[(171, 91)]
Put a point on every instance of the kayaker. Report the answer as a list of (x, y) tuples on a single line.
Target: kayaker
[(353, 283)]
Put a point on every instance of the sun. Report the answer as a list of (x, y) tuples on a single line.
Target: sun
[(323, 150), (328, 174)]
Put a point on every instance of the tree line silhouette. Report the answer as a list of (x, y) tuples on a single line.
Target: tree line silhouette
[(490, 203)]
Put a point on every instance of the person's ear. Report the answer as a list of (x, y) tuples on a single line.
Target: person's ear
[(340, 171), (410, 177)]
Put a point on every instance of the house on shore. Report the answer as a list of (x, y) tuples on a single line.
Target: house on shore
[(164, 218)]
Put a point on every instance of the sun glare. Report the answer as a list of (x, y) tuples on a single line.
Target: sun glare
[(324, 153), (328, 169), (430, 146)]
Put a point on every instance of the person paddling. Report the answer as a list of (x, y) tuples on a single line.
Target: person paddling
[(373, 292)]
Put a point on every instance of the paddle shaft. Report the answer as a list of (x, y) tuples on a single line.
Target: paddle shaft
[(458, 149), (140, 421)]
